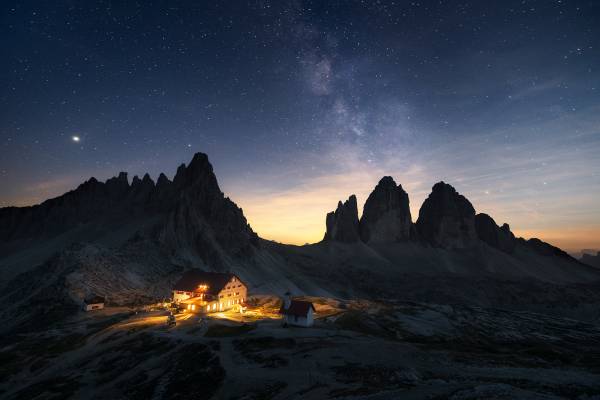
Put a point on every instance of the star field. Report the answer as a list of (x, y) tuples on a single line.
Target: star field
[(301, 103)]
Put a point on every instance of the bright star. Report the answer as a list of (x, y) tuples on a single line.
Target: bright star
[(76, 139)]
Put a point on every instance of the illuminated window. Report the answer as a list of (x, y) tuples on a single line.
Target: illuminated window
[(215, 306)]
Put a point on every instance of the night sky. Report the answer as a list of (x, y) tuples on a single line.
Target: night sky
[(300, 104)]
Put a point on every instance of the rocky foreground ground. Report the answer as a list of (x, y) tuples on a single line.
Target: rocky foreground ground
[(358, 349)]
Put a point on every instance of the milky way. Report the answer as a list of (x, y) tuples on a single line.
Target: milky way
[(300, 104)]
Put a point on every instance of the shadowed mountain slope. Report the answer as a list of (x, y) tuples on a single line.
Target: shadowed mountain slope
[(590, 259), (130, 242)]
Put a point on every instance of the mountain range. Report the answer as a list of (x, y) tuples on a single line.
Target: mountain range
[(130, 241)]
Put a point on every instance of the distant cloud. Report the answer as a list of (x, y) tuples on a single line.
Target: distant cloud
[(525, 89)]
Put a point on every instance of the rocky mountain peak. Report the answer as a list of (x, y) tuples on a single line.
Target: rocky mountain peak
[(499, 237), (119, 180), (386, 182), (136, 181), (447, 218), (89, 185), (142, 189), (162, 181), (386, 214), (203, 218), (146, 180), (192, 213), (342, 224), (199, 172), (200, 164), (117, 185)]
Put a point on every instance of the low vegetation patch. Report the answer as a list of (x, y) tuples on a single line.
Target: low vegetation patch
[(50, 346), (253, 349), (140, 387), (9, 364), (263, 343), (197, 373), (125, 356), (372, 378), (60, 387), (268, 392), (101, 324), (358, 321), (221, 330)]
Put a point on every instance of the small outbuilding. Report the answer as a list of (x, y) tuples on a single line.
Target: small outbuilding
[(297, 312), (93, 303)]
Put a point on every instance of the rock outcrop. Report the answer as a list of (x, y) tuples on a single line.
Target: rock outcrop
[(544, 249), (203, 219), (342, 224), (447, 219), (386, 214), (92, 200), (499, 237), (191, 211)]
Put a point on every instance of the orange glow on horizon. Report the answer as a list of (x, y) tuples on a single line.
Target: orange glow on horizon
[(297, 216), (569, 239)]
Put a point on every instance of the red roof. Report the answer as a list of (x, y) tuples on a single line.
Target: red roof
[(94, 300), (215, 281), (298, 308)]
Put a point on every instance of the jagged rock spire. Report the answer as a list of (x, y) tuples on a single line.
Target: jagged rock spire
[(162, 181), (499, 237), (386, 214), (342, 224), (447, 219)]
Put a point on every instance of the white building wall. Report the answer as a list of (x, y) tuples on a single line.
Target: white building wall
[(300, 321), (180, 296), (234, 293), (96, 306)]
